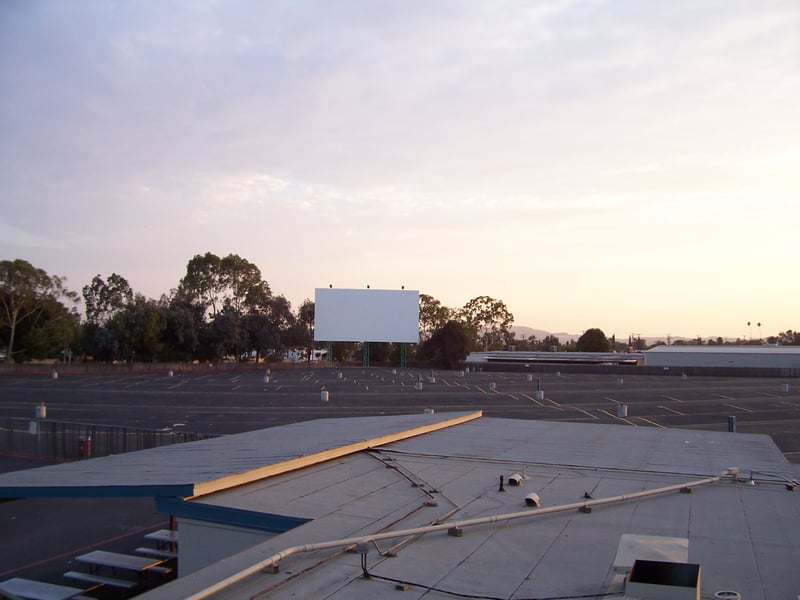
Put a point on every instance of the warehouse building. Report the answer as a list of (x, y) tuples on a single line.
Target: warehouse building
[(751, 357)]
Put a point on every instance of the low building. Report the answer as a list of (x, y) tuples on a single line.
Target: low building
[(439, 505), (752, 357), (506, 357)]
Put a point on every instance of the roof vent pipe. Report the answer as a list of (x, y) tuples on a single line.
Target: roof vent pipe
[(291, 551)]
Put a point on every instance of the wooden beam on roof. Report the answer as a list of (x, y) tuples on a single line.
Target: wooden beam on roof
[(229, 481)]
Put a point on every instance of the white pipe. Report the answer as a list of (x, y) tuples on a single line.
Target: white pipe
[(235, 578)]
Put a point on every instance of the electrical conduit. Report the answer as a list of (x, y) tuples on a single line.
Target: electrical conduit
[(237, 577)]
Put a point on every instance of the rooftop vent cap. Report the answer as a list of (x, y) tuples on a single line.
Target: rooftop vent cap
[(515, 479), (532, 499)]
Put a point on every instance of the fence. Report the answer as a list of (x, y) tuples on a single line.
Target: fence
[(63, 440)]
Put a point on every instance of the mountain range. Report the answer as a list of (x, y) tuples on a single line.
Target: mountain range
[(523, 333)]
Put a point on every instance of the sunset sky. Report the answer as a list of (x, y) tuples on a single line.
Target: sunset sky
[(627, 165)]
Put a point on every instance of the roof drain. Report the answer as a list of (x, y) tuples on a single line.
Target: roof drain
[(259, 566)]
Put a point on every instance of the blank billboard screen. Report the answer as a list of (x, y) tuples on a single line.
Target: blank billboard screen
[(342, 315)]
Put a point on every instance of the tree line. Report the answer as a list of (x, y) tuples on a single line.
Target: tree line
[(223, 309)]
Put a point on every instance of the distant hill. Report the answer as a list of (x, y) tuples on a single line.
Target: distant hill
[(523, 333)]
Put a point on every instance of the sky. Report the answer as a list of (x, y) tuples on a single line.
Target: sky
[(627, 165)]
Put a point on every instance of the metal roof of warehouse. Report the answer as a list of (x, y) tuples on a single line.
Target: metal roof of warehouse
[(725, 349)]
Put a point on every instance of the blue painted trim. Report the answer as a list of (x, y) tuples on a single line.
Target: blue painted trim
[(95, 491), (270, 522)]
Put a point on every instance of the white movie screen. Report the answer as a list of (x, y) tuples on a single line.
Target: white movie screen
[(364, 315)]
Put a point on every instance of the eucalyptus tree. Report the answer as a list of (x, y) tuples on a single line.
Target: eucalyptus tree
[(103, 300), (432, 316), (489, 320), (270, 326), (139, 329), (216, 283), (227, 290), (185, 326), (35, 319), (202, 285)]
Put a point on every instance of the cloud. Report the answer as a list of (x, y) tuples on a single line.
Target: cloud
[(422, 132), (17, 239)]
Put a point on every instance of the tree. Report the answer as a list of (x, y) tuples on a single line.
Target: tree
[(203, 283), (550, 344), (216, 283), (229, 290), (432, 316), (304, 326), (104, 299), (789, 338), (270, 325), (593, 340), (31, 298), (242, 283), (489, 320), (448, 346), (185, 326), (228, 334), (51, 333), (139, 329)]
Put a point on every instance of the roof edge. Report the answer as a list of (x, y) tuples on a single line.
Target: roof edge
[(19, 492)]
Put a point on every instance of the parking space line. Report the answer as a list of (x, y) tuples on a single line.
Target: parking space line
[(586, 412), (651, 422), (535, 401), (738, 407), (723, 396), (486, 391), (677, 412), (673, 398), (613, 416)]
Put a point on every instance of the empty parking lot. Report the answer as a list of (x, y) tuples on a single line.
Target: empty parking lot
[(232, 402)]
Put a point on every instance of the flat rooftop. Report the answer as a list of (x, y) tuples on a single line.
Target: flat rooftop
[(743, 535)]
